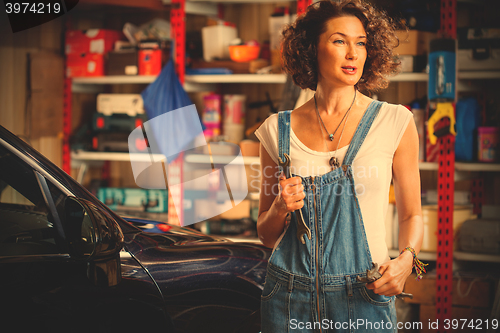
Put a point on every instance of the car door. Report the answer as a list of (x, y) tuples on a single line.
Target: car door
[(33, 257), (44, 289)]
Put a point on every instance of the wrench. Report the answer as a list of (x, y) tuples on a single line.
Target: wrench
[(302, 228), (373, 275)]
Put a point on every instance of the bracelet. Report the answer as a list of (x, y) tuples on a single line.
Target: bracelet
[(417, 264)]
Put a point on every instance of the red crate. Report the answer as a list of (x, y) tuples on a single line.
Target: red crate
[(91, 41), (91, 64)]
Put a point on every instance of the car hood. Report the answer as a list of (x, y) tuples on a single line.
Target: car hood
[(190, 255)]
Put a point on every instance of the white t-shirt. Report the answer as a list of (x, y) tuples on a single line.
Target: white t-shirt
[(372, 167)]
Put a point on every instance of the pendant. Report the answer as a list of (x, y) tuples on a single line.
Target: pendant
[(331, 137), (334, 163)]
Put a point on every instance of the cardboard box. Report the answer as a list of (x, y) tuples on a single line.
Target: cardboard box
[(91, 41), (122, 62), (413, 64), (414, 42), (89, 64), (471, 292)]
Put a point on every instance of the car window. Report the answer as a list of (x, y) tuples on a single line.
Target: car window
[(26, 221)]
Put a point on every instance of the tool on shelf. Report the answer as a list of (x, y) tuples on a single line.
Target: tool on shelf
[(442, 110)]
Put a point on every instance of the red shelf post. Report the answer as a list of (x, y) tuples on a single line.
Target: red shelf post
[(175, 172), (302, 6), (446, 190)]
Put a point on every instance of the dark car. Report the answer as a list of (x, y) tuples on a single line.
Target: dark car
[(70, 264)]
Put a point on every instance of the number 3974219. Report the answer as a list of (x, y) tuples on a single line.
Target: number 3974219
[(460, 324), (33, 8)]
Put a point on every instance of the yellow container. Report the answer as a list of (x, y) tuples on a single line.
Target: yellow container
[(430, 219)]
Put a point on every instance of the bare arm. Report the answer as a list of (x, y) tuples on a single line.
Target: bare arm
[(277, 199), (406, 178)]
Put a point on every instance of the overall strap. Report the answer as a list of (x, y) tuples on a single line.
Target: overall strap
[(361, 131), (284, 134)]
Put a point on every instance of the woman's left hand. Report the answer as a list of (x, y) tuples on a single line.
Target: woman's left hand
[(394, 275)]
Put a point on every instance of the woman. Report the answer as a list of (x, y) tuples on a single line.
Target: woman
[(344, 149)]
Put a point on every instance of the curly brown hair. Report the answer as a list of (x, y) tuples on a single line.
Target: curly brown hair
[(300, 40)]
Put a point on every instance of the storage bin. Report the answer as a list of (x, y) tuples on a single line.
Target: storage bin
[(216, 39), (488, 144), (430, 219), (414, 42), (91, 41), (480, 236), (88, 64), (134, 199)]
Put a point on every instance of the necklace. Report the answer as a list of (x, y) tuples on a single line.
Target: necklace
[(334, 163), (322, 123)]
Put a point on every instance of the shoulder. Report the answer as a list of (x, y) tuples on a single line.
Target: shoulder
[(396, 110), (394, 114), (269, 126)]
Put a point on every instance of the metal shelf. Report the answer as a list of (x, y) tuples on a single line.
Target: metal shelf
[(237, 78), (478, 75), (487, 167), (86, 156), (220, 159), (410, 77), (465, 256), (206, 82), (463, 166), (427, 166), (115, 79)]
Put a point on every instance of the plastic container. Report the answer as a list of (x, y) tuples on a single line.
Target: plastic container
[(234, 109), (216, 39), (234, 132), (212, 115), (488, 144), (430, 219), (244, 53), (467, 114), (149, 61)]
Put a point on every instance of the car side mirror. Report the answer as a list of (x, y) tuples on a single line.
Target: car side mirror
[(79, 229), (94, 236)]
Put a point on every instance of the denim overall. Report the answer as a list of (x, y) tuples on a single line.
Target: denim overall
[(312, 287)]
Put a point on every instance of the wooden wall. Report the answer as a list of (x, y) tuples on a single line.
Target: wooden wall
[(22, 105)]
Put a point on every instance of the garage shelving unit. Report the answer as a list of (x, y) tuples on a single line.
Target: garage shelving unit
[(465, 79)]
